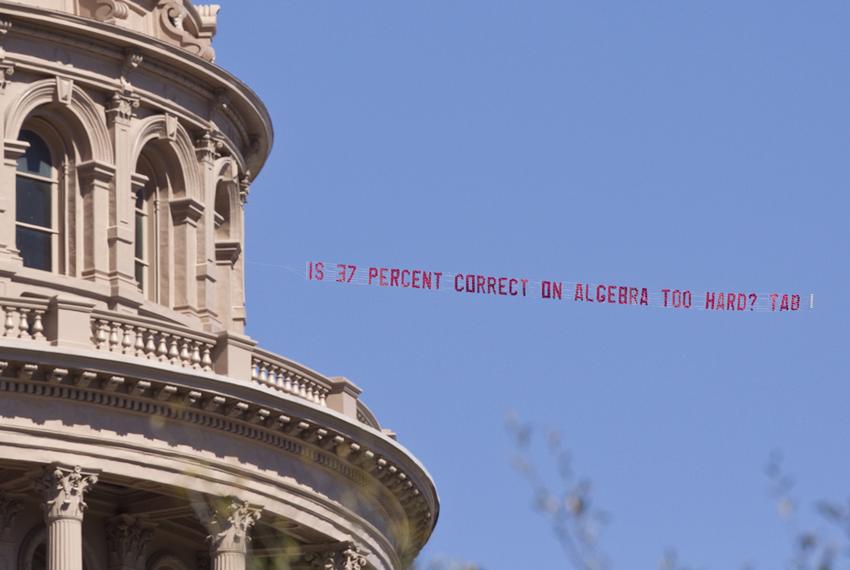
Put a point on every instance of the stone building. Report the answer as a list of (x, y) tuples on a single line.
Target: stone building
[(140, 429)]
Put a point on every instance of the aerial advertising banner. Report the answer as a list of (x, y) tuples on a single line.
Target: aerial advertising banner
[(629, 294)]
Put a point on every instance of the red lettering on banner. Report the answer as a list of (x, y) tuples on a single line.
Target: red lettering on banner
[(551, 289), (407, 272), (664, 293), (394, 277), (644, 297), (742, 302), (502, 289), (512, 283), (373, 272), (795, 302), (438, 274), (491, 285), (458, 277), (730, 301), (783, 305), (687, 299), (600, 293), (709, 300), (579, 296), (773, 298), (383, 280), (416, 276), (481, 282), (524, 285), (611, 293), (633, 296), (622, 295)]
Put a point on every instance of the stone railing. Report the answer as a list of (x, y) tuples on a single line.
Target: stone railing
[(77, 324), (149, 339), (23, 318), (269, 369)]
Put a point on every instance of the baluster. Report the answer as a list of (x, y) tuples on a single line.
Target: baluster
[(114, 338), (206, 359), (140, 341), (173, 353), (127, 341), (255, 369), (38, 325), (303, 385), (150, 344), (100, 334), (278, 378), (323, 399), (162, 348), (23, 324), (287, 382), (196, 355), (264, 372), (185, 356), (9, 323), (310, 392)]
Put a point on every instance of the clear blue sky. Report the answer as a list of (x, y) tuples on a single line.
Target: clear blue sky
[(655, 142)]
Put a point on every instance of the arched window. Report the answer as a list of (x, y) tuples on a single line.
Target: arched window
[(36, 233)]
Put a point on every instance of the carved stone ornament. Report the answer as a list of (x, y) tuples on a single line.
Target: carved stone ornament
[(9, 509), (349, 558), (111, 10), (229, 521), (245, 187), (127, 538), (63, 491), (122, 106), (173, 16)]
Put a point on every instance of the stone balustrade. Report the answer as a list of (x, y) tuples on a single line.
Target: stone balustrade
[(71, 323), (268, 369), (150, 340), (23, 318)]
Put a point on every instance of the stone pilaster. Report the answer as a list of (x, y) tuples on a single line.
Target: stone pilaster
[(9, 509), (120, 222), (127, 538), (185, 213), (12, 151), (229, 522), (96, 183), (207, 149), (63, 490)]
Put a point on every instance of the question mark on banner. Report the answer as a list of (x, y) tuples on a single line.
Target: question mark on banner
[(753, 299)]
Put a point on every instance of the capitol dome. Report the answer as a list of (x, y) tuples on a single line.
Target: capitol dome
[(140, 428)]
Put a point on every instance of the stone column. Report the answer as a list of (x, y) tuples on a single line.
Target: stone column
[(228, 521), (127, 538), (63, 490), (9, 509)]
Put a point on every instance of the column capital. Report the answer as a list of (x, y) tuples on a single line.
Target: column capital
[(122, 107), (127, 538), (63, 489), (229, 522), (9, 509), (348, 557)]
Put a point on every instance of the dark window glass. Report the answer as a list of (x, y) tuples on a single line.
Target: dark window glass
[(33, 202), (35, 248), (140, 236), (36, 160), (140, 275), (140, 200)]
